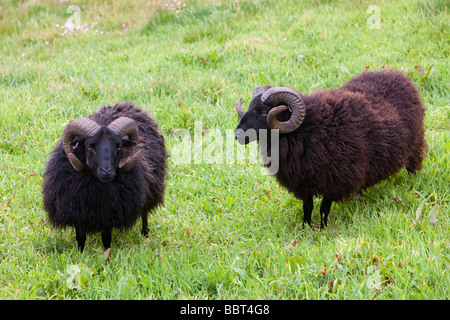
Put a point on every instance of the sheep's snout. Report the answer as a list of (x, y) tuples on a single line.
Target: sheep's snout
[(106, 174), (245, 137)]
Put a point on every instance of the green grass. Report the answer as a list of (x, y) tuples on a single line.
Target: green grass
[(227, 231)]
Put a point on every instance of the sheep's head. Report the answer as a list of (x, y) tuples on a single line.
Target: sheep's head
[(102, 149), (271, 108)]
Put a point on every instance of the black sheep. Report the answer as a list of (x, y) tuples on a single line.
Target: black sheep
[(107, 171), (337, 142)]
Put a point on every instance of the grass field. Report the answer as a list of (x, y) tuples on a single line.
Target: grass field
[(227, 231)]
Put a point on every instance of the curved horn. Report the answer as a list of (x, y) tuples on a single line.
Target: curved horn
[(127, 127), (126, 163), (78, 127), (258, 90), (239, 109), (282, 99), (261, 89)]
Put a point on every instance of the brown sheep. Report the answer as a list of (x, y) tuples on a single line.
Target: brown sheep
[(337, 142)]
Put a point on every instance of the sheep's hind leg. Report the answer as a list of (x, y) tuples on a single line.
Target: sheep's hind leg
[(106, 239), (325, 207), (144, 225), (308, 206), (81, 239)]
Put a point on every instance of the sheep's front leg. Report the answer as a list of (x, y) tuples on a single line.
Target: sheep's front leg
[(325, 207), (106, 239), (81, 238), (308, 206)]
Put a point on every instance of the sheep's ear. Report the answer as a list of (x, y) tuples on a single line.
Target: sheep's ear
[(128, 143), (76, 143)]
